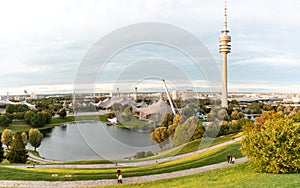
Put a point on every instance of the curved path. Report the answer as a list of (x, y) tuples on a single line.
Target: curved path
[(126, 164), (40, 160), (103, 182)]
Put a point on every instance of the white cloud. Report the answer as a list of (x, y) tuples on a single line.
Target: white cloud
[(274, 61)]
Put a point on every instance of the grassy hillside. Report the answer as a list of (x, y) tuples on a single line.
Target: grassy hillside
[(193, 146), (240, 175), (209, 157)]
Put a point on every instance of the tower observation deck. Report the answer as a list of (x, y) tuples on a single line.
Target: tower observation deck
[(224, 49)]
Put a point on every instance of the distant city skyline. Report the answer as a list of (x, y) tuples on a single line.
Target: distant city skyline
[(43, 43)]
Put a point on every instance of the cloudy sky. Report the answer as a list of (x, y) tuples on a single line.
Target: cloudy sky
[(42, 43)]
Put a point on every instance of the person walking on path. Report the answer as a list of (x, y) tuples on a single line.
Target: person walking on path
[(119, 176), (229, 158), (232, 160)]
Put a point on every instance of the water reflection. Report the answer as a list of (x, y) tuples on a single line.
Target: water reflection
[(93, 140)]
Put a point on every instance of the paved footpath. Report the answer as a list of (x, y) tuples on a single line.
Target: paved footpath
[(103, 182)]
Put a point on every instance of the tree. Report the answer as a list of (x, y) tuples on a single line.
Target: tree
[(47, 115), (160, 136), (166, 120), (234, 115), (184, 132), (211, 130), (24, 138), (37, 119), (255, 107), (4, 121), (35, 138), (274, 146), (28, 117), (18, 153), (6, 137), (296, 117), (63, 113), (222, 114), (176, 121), (188, 112), (11, 108), (149, 154), (224, 128), (139, 155), (211, 116), (240, 115), (1, 153), (266, 116), (230, 108), (199, 131)]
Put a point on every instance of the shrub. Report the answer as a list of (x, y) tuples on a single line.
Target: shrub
[(273, 147)]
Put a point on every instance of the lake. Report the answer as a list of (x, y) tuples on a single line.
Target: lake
[(93, 140)]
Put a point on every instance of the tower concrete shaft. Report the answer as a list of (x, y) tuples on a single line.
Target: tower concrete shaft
[(224, 50)]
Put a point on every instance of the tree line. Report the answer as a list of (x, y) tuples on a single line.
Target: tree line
[(16, 144), (36, 118)]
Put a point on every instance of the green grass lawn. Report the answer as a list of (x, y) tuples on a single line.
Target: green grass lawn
[(193, 146), (133, 122), (209, 157), (239, 175)]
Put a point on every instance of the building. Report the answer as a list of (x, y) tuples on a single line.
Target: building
[(224, 50), (187, 95), (33, 95), (176, 95)]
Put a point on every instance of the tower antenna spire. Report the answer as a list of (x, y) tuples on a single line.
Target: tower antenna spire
[(225, 14)]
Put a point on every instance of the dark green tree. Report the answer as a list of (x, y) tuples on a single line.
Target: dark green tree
[(139, 155), (4, 121), (63, 113), (11, 108), (18, 153), (1, 153), (47, 116), (149, 154), (28, 117), (37, 119), (224, 128)]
